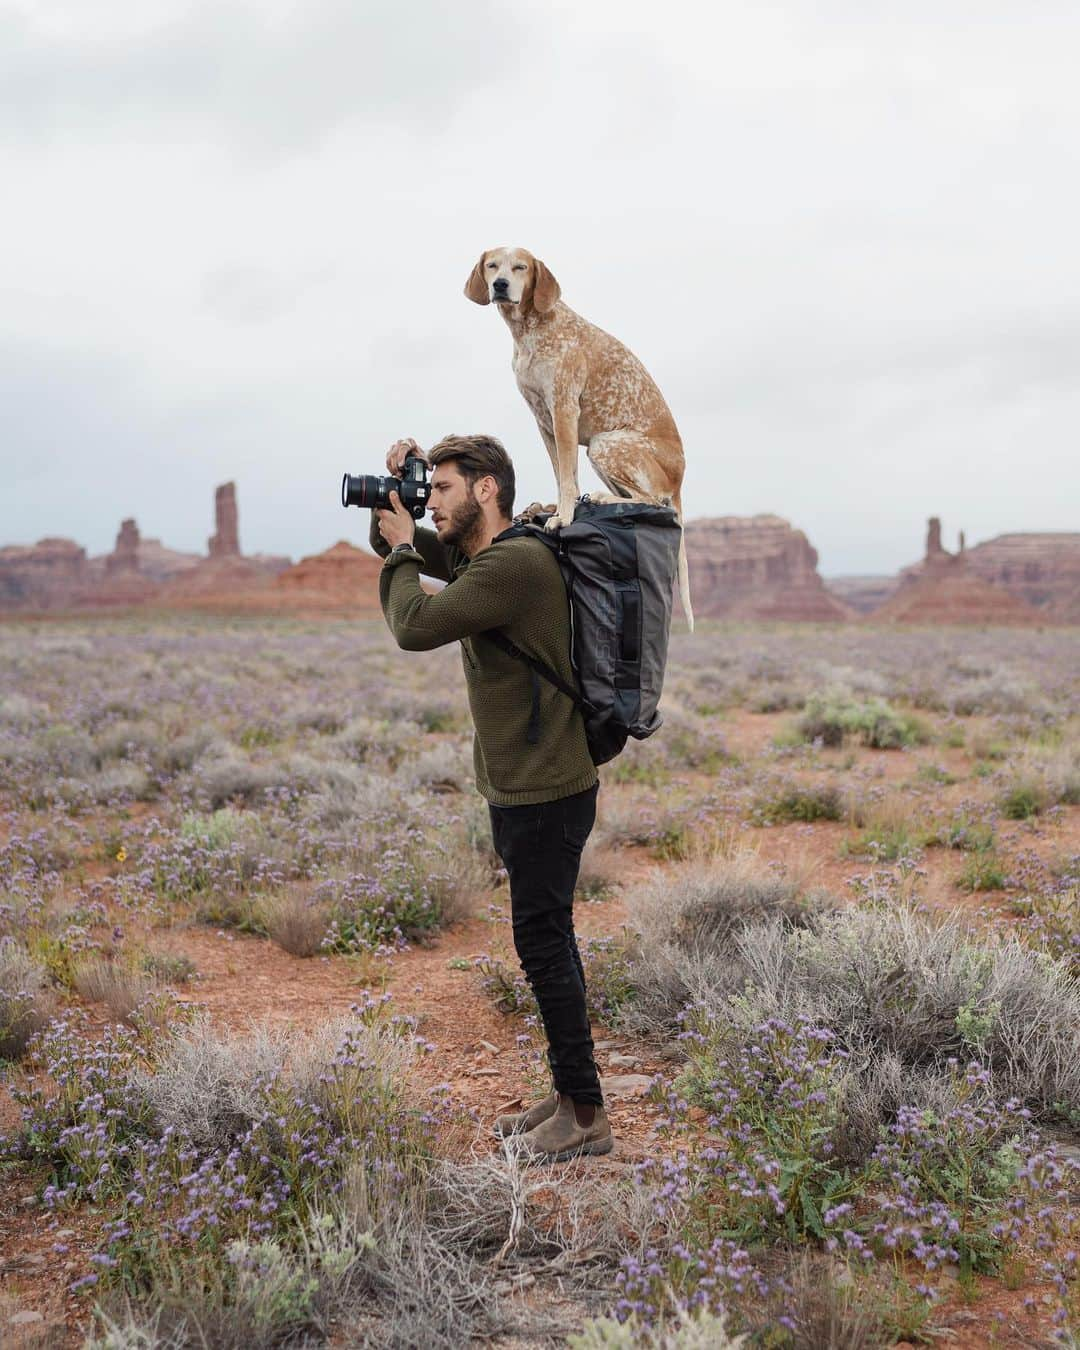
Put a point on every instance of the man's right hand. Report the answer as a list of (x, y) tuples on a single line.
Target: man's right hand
[(399, 452), (533, 510)]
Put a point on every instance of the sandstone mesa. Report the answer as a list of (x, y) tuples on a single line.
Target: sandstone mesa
[(748, 568)]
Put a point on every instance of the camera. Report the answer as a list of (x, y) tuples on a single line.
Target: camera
[(373, 489)]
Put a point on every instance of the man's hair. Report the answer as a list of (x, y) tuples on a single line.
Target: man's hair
[(478, 457)]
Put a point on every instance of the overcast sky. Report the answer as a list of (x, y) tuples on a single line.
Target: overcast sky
[(841, 236)]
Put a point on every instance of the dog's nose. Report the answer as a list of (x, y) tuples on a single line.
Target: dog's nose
[(501, 285)]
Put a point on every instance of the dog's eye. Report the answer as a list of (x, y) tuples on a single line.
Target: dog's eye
[(493, 264), (518, 267)]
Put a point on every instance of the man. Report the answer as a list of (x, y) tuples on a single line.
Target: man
[(529, 752)]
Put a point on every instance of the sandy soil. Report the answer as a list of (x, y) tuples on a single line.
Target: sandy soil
[(242, 978)]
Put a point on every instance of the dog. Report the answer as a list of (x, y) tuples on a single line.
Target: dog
[(584, 388)]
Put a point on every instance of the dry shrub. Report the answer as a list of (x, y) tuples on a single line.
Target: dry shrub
[(599, 872), (445, 767), (697, 1330), (828, 1310), (457, 877), (377, 741), (622, 820), (1042, 777), (125, 991), (25, 1000), (689, 918), (700, 905), (206, 1085), (891, 984), (225, 776), (998, 691), (294, 921)]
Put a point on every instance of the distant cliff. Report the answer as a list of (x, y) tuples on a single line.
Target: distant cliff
[(1041, 569), (944, 587), (55, 574), (756, 567)]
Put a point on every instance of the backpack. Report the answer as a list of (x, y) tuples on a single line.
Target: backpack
[(620, 563)]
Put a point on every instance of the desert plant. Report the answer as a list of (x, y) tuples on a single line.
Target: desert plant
[(982, 871), (886, 981), (797, 801), (121, 987), (167, 967), (836, 716), (1022, 800), (699, 907), (206, 1085), (294, 921), (687, 1331), (598, 875), (25, 1002), (1053, 923)]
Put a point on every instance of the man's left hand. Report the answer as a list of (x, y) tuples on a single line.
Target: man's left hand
[(396, 526)]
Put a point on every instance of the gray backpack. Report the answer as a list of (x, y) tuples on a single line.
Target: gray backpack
[(620, 565)]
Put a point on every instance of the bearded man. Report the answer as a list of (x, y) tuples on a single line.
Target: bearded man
[(531, 760)]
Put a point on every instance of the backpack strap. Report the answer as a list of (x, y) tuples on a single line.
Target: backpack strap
[(538, 667), (520, 530)]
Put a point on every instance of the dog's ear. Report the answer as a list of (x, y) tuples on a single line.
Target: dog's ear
[(476, 288), (545, 288)]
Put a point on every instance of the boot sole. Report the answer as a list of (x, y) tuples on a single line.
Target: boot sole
[(594, 1148), (521, 1129)]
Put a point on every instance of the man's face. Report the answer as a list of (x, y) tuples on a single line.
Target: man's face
[(455, 512)]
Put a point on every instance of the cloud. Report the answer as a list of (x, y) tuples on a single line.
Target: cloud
[(841, 239), (271, 78)]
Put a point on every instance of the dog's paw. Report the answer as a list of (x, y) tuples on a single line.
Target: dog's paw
[(563, 516)]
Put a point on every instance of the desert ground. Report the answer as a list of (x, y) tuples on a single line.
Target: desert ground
[(259, 1004)]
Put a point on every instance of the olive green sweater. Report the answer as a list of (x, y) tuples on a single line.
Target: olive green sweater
[(514, 585)]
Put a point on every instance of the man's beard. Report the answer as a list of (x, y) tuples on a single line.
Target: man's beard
[(465, 525)]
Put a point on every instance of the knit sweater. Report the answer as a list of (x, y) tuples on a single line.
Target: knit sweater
[(514, 585)]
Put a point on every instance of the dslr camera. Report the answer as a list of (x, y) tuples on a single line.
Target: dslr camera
[(373, 489)]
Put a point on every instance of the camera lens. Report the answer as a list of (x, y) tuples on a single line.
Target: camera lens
[(365, 489)]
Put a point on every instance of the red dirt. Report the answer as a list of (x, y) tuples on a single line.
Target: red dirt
[(244, 978)]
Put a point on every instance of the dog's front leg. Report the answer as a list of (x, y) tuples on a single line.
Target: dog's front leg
[(565, 421)]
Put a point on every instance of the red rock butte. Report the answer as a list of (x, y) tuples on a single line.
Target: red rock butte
[(55, 575), (756, 567), (945, 588), (751, 568)]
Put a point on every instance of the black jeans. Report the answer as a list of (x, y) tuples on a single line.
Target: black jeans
[(541, 850)]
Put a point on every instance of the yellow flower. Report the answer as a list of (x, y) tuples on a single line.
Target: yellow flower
[(121, 855)]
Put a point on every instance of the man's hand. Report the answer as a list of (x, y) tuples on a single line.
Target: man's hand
[(399, 453), (532, 510), (396, 526)]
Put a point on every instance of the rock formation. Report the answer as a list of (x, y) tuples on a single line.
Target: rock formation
[(862, 594), (148, 557), (56, 574), (945, 588), (344, 577), (756, 567), (1041, 569), (125, 554), (223, 580), (225, 541), (160, 563), (45, 575)]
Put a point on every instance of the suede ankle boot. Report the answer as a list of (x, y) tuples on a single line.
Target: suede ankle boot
[(563, 1134), (523, 1121)]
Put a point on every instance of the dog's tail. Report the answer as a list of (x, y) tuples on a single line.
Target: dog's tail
[(684, 571)]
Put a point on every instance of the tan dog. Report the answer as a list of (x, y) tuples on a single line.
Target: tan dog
[(584, 388)]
